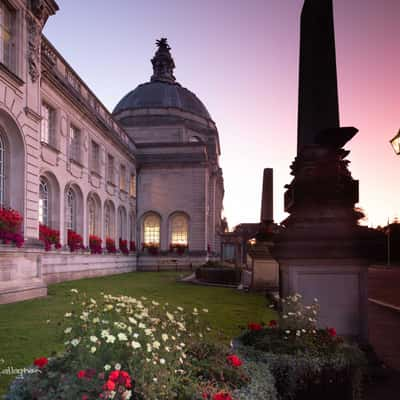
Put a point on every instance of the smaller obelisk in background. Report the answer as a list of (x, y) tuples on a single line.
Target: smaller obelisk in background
[(267, 205)]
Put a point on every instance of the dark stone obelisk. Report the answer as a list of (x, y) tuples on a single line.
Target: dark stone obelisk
[(318, 97), (267, 200), (321, 251)]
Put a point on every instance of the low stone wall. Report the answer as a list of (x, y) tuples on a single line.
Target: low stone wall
[(59, 267), (147, 262)]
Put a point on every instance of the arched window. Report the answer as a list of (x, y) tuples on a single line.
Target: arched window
[(109, 220), (44, 202), (70, 217), (151, 229), (131, 227), (2, 171), (122, 223), (179, 229), (92, 216)]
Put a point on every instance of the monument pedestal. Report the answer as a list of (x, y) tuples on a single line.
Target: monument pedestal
[(340, 285)]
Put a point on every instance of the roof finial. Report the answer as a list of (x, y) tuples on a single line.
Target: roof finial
[(163, 63)]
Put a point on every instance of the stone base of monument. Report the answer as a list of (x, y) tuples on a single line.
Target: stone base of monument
[(340, 285)]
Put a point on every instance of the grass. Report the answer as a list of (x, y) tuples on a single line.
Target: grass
[(29, 329)]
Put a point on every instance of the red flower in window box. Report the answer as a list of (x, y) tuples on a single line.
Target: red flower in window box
[(75, 241), (10, 226), (110, 245), (178, 248), (152, 248), (123, 246), (49, 237), (132, 246), (95, 244)]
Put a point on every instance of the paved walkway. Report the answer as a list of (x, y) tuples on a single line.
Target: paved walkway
[(384, 330)]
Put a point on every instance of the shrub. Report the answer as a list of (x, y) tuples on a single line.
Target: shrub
[(123, 246), (219, 275), (10, 226), (110, 246), (75, 241), (95, 244), (49, 236)]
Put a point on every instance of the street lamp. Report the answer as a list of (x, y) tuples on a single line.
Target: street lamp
[(395, 142)]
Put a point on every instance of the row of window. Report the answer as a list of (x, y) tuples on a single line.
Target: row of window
[(48, 136), (73, 213), (179, 229)]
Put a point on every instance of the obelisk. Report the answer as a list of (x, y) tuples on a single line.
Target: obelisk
[(321, 251), (318, 107), (267, 200)]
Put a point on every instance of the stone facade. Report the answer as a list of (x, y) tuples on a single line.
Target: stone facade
[(68, 163)]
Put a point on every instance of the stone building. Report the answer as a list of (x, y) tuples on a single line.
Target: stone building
[(148, 173)]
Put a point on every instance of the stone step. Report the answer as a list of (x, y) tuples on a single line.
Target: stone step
[(18, 290)]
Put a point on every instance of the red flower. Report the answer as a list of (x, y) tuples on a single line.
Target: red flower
[(272, 323), (204, 395), (235, 361), (222, 396), (85, 397), (253, 326), (109, 385), (41, 362), (331, 332), (81, 374), (114, 375)]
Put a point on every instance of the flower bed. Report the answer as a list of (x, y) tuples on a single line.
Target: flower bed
[(10, 226), (306, 362), (119, 347), (132, 246), (49, 237), (178, 248), (151, 248), (123, 246), (110, 246), (95, 244), (75, 241), (220, 275)]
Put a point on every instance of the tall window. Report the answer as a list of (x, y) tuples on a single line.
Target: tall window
[(122, 223), (92, 216), (7, 24), (151, 229), (95, 157), (132, 185), (179, 230), (47, 124), (122, 178), (2, 171), (70, 220), (43, 202), (110, 168), (74, 143), (108, 221)]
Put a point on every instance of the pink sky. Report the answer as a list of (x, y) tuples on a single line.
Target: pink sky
[(241, 59)]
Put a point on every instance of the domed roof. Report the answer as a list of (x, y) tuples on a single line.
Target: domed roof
[(162, 91), (162, 95)]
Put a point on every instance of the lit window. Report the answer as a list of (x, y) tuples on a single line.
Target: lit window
[(2, 171), (95, 157), (92, 216), (122, 178), (132, 185), (179, 230), (110, 168), (70, 217), (7, 48), (43, 202), (151, 231), (75, 143)]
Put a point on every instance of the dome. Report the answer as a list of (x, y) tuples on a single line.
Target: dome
[(162, 91), (162, 95)]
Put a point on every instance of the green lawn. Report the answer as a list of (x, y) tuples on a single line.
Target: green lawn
[(25, 332)]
